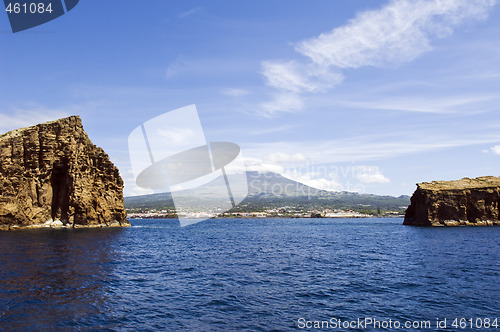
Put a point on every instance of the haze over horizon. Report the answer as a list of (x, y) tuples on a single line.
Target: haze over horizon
[(358, 96)]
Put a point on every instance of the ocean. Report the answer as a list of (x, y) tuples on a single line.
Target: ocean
[(251, 275)]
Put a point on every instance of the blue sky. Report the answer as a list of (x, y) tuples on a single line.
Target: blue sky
[(369, 96)]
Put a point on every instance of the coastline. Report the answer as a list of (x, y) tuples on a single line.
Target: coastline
[(272, 217), (59, 225)]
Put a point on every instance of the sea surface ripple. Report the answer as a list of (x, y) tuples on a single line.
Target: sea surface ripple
[(246, 275)]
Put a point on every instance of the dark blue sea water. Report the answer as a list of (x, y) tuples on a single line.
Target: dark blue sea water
[(247, 275)]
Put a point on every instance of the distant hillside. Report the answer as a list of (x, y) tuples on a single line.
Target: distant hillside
[(271, 190)]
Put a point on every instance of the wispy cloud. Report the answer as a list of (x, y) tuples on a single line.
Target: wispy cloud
[(295, 77), (234, 92), (370, 147), (282, 102), (271, 130), (190, 12), (28, 117), (280, 157), (438, 105), (398, 32)]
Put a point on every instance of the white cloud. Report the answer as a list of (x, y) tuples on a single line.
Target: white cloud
[(280, 157), (320, 176), (283, 102), (398, 32), (257, 165), (246, 164), (26, 118), (496, 149), (337, 178), (284, 75), (291, 79), (323, 183), (372, 175), (295, 77)]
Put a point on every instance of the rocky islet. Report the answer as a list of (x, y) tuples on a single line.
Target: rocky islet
[(52, 175), (465, 202)]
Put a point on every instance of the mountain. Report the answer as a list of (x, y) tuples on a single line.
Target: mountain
[(271, 190)]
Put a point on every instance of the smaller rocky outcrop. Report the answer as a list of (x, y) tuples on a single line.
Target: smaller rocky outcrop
[(51, 175), (473, 202)]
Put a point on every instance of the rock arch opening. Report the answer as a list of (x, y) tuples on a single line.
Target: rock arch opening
[(61, 184)]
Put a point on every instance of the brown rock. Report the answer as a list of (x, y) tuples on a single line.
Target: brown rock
[(468, 202), (51, 172)]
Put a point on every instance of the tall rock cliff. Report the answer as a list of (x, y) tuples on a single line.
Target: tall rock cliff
[(52, 175), (467, 201)]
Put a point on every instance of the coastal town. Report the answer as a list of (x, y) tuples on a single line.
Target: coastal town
[(283, 212)]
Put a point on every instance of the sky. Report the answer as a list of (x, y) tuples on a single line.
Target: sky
[(367, 96)]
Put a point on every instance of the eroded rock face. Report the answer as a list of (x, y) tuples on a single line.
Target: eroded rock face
[(467, 201), (52, 175)]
